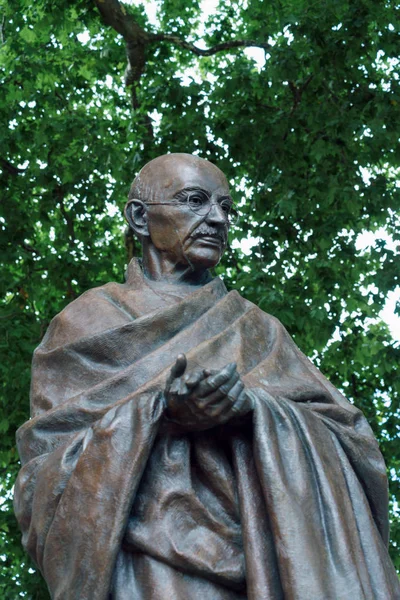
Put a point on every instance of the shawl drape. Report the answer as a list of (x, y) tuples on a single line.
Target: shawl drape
[(114, 501)]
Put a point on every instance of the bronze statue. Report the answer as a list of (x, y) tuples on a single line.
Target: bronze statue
[(181, 446)]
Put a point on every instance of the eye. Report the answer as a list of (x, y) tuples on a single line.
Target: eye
[(197, 200), (226, 206)]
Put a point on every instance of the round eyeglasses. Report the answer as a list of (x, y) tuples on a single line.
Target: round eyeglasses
[(200, 203)]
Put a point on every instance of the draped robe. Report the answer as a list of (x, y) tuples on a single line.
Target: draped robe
[(116, 502)]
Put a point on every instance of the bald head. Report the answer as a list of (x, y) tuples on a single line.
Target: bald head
[(179, 239), (166, 175)]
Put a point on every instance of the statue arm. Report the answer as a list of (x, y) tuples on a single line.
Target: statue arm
[(73, 500), (95, 417)]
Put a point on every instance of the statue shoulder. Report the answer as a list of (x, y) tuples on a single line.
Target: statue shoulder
[(95, 311), (268, 319)]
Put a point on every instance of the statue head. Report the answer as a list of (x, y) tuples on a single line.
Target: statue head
[(180, 207)]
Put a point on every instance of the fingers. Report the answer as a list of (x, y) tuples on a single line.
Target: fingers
[(178, 369), (194, 377), (180, 365), (235, 391), (222, 392), (182, 385), (220, 406), (204, 397), (177, 387), (243, 405), (215, 381), (227, 403)]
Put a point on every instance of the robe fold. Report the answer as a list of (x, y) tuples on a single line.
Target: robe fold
[(116, 502)]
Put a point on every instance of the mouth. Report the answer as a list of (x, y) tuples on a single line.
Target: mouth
[(214, 241), (210, 239), (210, 235)]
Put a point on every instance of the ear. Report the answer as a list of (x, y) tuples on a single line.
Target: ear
[(136, 215)]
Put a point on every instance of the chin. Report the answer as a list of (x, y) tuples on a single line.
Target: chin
[(206, 258)]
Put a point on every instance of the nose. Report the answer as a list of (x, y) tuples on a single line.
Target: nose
[(216, 215)]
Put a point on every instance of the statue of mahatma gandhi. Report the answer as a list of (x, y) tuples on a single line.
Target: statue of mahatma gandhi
[(181, 446)]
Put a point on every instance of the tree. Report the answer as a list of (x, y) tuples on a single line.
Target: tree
[(308, 140)]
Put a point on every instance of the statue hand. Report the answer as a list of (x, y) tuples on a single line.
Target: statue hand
[(178, 391), (221, 396), (201, 399)]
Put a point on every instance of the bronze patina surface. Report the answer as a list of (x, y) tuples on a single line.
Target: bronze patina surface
[(181, 446)]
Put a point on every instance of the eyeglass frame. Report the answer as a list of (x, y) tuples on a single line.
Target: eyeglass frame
[(211, 204)]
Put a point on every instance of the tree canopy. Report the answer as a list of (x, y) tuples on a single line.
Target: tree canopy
[(307, 135)]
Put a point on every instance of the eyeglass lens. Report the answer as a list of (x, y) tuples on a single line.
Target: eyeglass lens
[(201, 205)]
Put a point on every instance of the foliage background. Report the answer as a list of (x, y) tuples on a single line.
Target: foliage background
[(294, 136)]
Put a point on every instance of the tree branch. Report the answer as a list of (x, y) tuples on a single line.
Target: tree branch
[(166, 37), (353, 380), (29, 248), (2, 30), (59, 196), (115, 14), (11, 170), (297, 93), (137, 39)]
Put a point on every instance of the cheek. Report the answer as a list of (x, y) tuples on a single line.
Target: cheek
[(170, 232), (162, 235)]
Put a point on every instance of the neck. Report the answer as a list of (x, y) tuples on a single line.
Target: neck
[(159, 267)]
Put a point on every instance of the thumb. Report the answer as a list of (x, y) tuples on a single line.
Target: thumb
[(178, 368)]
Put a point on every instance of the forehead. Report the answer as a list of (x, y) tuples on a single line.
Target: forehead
[(173, 175)]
